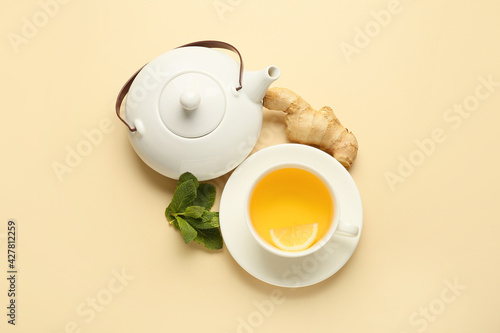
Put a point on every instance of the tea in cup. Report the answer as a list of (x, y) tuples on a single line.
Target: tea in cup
[(292, 210)]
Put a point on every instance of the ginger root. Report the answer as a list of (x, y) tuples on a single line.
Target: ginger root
[(309, 126)]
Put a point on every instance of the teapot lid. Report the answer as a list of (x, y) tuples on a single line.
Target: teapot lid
[(192, 104)]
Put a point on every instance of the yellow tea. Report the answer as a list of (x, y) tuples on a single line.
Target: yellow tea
[(291, 208)]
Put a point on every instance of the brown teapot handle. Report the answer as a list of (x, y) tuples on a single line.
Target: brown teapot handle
[(205, 43)]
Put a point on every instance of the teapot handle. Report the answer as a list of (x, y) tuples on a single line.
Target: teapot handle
[(204, 43), (220, 45)]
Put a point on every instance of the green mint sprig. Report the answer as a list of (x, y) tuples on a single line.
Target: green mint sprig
[(190, 212)]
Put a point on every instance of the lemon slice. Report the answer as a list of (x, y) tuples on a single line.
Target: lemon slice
[(295, 238)]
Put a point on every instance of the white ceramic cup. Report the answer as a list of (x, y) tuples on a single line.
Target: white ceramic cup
[(337, 226)]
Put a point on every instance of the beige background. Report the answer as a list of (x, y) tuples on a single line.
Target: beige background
[(439, 225)]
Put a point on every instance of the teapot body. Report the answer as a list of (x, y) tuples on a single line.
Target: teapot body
[(171, 138)]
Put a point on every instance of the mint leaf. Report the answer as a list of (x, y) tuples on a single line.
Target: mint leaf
[(175, 223), (188, 176), (194, 211), (189, 212), (211, 238), (211, 216), (184, 195), (205, 196), (187, 231), (204, 223)]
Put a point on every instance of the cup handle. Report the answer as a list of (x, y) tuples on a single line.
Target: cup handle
[(347, 229)]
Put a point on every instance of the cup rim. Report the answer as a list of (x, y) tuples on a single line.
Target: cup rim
[(319, 243)]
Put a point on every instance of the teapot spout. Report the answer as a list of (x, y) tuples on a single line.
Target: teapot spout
[(256, 83)]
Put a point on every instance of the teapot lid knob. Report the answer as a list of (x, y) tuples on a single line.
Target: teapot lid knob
[(190, 100)]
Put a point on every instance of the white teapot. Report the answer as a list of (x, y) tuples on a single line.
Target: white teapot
[(195, 109)]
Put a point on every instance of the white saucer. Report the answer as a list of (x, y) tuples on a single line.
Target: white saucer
[(276, 270)]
